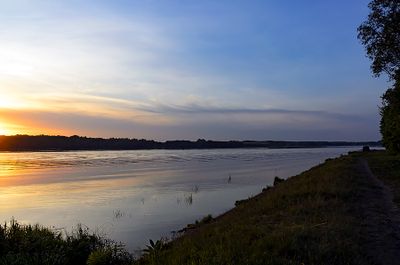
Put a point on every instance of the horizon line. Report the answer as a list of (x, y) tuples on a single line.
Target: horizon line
[(193, 140)]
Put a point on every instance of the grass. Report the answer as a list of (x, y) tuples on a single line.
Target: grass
[(309, 219), (387, 168), (33, 244)]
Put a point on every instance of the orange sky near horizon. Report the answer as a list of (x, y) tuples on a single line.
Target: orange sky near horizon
[(7, 128), (21, 123), (70, 115)]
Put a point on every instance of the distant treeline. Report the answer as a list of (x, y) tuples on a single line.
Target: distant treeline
[(64, 143)]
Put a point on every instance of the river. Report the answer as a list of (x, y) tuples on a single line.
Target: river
[(134, 196)]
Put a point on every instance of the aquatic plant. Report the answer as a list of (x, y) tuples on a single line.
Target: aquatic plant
[(154, 247), (189, 199), (153, 250), (195, 189)]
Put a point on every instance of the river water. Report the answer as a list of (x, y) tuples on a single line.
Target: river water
[(134, 196)]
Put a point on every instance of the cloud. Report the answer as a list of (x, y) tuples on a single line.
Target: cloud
[(190, 122), (199, 109)]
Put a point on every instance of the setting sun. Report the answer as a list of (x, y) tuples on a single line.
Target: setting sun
[(9, 101), (3, 130), (8, 127)]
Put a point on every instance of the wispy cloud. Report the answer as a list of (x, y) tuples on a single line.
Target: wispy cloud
[(207, 109), (125, 118)]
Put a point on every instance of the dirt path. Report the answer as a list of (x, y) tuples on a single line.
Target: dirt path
[(381, 219)]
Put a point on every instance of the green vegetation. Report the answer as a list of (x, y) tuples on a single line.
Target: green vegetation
[(311, 218), (380, 34), (27, 244)]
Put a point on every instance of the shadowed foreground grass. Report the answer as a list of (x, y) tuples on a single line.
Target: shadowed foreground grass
[(27, 244), (387, 168), (309, 219)]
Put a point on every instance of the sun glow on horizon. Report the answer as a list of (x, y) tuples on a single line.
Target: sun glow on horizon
[(8, 101), (9, 127), (4, 131)]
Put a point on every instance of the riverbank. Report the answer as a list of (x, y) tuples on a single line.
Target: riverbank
[(322, 216)]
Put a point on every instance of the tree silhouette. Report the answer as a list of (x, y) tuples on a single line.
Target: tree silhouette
[(380, 34), (390, 122), (63, 143)]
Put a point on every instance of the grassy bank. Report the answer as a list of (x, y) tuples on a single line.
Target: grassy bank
[(311, 218), (387, 168)]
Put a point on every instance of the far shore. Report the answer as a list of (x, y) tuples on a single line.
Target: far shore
[(45, 143)]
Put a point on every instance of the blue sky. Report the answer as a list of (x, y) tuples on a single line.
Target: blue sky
[(282, 70)]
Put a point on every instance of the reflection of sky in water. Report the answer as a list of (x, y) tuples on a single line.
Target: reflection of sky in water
[(132, 196)]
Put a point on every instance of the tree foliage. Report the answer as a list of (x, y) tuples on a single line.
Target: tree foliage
[(390, 122), (380, 34)]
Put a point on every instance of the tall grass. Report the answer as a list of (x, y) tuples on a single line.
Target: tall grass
[(37, 245)]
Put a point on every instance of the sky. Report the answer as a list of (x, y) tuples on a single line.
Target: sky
[(185, 69)]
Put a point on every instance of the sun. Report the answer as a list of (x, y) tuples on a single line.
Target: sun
[(6, 128), (3, 131), (8, 102)]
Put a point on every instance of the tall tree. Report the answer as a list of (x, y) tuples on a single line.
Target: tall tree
[(380, 34), (390, 121)]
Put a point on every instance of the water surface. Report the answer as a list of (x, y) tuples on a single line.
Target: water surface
[(132, 196)]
